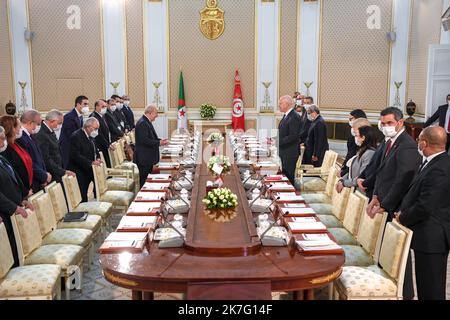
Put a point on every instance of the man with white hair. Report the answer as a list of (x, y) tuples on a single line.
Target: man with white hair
[(146, 153), (84, 154), (49, 145), (288, 137)]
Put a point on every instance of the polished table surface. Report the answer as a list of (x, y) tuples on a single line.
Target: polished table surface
[(220, 252)]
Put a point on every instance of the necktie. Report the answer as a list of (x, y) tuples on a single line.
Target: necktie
[(9, 170), (388, 148), (284, 116), (423, 165), (448, 125), (81, 121), (93, 145)]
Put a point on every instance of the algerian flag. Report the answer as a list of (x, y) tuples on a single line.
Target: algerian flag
[(182, 116)]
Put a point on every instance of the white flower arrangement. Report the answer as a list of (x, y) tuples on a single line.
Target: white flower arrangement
[(222, 161), (221, 198), (207, 111), (215, 137)]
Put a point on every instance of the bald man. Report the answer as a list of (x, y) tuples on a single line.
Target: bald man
[(288, 137), (426, 210)]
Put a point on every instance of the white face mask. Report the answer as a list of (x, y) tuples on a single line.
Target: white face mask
[(358, 142), (4, 146), (353, 132), (103, 111), (350, 123), (19, 135), (380, 127), (389, 132), (310, 117), (38, 128), (119, 106), (307, 106), (58, 128), (448, 103), (113, 108), (127, 103), (94, 133), (85, 110), (420, 151)]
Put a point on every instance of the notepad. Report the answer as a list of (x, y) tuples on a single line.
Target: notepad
[(289, 197), (143, 206), (298, 210), (295, 205), (304, 219), (304, 226), (168, 164), (159, 176), (318, 245), (150, 196), (127, 236), (143, 222), (315, 236), (155, 186)]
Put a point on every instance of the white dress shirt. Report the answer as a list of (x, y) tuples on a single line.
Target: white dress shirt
[(429, 158), (447, 119)]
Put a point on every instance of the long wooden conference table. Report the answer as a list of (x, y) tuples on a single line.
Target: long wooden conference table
[(221, 260)]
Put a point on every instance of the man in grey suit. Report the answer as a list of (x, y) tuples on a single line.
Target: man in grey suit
[(49, 145), (288, 137)]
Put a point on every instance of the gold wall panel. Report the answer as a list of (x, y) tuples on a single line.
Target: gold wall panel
[(425, 30), (288, 53), (135, 46), (354, 68), (209, 65), (60, 54), (173, 125), (6, 81)]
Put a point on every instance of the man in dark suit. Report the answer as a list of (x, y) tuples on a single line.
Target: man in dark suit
[(11, 198), (288, 137), (317, 142), (31, 125), (84, 154), (113, 125), (443, 115), (425, 209), (72, 122), (398, 166), (146, 153), (48, 143), (305, 123), (119, 114), (128, 112), (103, 140)]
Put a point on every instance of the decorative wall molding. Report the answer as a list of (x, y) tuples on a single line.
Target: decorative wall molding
[(445, 35), (114, 47), (18, 18), (309, 17), (156, 49), (438, 80), (402, 12), (268, 51)]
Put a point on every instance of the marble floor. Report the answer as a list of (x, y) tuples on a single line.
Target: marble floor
[(95, 287)]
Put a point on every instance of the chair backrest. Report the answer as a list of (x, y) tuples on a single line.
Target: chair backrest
[(112, 156), (100, 180), (355, 209), (394, 251), (73, 192), (331, 182), (6, 256), (44, 211), (28, 232), (121, 151), (339, 202), (132, 136), (329, 161), (299, 162), (56, 193), (370, 233)]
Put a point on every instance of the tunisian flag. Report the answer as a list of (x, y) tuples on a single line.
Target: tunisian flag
[(238, 122)]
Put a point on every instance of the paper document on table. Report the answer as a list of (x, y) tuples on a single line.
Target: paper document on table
[(155, 186), (297, 210), (143, 206), (130, 222), (217, 168), (304, 219), (316, 236), (300, 226), (159, 176), (289, 197), (168, 164), (150, 196), (318, 245), (295, 205), (126, 236)]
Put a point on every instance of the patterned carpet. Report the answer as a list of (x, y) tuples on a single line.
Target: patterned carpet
[(95, 287)]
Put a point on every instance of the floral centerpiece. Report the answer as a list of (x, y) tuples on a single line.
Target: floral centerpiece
[(207, 111), (215, 137), (219, 162), (221, 198)]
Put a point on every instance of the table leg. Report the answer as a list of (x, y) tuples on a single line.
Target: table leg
[(148, 295), (298, 295), (136, 295), (309, 294)]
